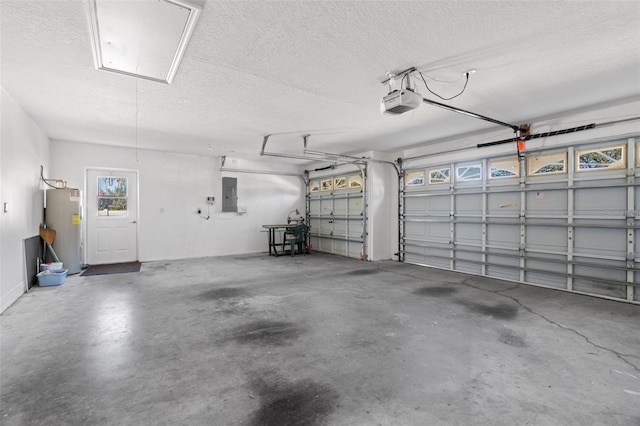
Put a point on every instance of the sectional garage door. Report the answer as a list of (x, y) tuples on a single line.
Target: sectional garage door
[(337, 214), (564, 219)]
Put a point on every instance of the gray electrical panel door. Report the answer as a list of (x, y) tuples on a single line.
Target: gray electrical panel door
[(229, 194)]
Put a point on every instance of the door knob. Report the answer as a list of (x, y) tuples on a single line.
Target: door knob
[(133, 221)]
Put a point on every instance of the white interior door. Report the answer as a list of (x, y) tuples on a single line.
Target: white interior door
[(112, 216)]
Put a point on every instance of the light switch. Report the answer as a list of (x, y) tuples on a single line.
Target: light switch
[(6, 208)]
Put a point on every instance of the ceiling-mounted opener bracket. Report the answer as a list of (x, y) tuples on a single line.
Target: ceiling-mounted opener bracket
[(264, 144), (522, 134), (400, 74)]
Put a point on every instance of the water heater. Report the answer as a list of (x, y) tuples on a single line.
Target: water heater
[(63, 214)]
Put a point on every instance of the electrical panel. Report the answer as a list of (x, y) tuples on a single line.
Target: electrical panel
[(229, 194)]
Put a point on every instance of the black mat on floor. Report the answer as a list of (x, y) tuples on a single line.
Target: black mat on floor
[(112, 268)]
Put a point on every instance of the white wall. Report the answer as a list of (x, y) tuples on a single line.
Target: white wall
[(173, 186), (23, 148), (383, 210)]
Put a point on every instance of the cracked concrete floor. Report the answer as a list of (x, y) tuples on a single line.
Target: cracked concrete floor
[(313, 340)]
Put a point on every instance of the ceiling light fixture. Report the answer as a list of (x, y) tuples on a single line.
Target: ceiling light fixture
[(145, 39)]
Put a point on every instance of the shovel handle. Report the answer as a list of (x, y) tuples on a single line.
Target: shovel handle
[(53, 253)]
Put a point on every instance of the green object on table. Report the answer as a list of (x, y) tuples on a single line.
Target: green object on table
[(295, 237)]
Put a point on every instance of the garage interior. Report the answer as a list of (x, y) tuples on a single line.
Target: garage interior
[(466, 174)]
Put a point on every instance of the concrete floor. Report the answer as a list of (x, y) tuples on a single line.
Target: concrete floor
[(311, 340)]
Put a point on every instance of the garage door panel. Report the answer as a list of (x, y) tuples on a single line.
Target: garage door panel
[(354, 249), (546, 202), (468, 267), (340, 206), (314, 242), (339, 247), (509, 271), (503, 235), (598, 201), (467, 261), (438, 230), (354, 229), (604, 241), (321, 244), (314, 207), (415, 229), (468, 204), (541, 238), (339, 227), (439, 206), (415, 205), (605, 274), (600, 288), (468, 233), (546, 279), (555, 264), (503, 203), (355, 205), (431, 256), (326, 206), (325, 226)]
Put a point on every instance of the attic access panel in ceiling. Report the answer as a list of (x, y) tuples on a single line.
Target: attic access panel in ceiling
[(145, 39)]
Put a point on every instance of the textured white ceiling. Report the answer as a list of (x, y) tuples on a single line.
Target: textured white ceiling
[(288, 68)]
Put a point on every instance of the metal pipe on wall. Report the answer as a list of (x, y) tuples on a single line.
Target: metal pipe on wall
[(258, 172)]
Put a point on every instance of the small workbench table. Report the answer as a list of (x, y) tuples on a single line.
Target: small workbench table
[(272, 235)]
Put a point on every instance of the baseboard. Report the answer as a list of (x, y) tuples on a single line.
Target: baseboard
[(11, 296)]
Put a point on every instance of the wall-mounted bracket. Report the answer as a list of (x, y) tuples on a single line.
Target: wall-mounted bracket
[(264, 144), (524, 130)]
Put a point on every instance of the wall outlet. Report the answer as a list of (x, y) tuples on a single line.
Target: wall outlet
[(211, 200)]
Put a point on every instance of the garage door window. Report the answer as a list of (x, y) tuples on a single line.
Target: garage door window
[(355, 181), (504, 168), (547, 164), (467, 173), (600, 158), (414, 178), (439, 176), (340, 183)]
